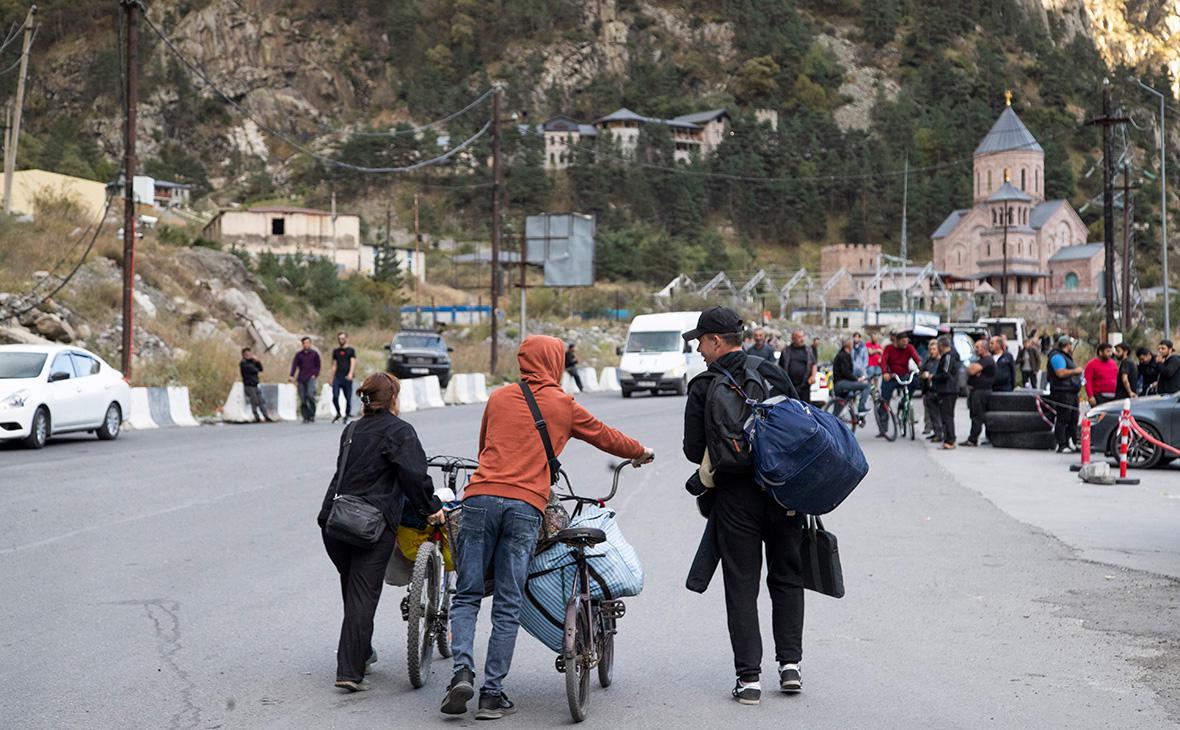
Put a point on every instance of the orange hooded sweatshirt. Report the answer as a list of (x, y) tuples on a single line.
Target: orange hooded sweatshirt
[(512, 460)]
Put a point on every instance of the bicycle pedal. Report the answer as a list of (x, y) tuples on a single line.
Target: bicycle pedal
[(613, 609), (405, 606), (559, 664)]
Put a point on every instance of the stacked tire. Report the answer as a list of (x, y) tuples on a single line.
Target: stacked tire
[(1013, 422)]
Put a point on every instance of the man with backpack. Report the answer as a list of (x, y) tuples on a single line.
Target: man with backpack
[(946, 384), (524, 429), (745, 516)]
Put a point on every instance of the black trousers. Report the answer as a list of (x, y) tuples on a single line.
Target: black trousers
[(946, 410), (933, 413), (573, 372), (1065, 402), (748, 518), (977, 406), (362, 574)]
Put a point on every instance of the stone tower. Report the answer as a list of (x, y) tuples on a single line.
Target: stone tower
[(1010, 153)]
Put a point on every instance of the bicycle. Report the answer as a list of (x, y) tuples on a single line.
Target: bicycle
[(426, 608), (886, 418), (906, 418), (844, 407), (590, 623)]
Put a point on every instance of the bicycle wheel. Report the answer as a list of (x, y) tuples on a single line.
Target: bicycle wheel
[(423, 608), (886, 421), (842, 410), (443, 627), (606, 652), (577, 660), (912, 419)]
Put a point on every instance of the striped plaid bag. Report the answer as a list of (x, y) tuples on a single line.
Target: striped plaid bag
[(614, 567)]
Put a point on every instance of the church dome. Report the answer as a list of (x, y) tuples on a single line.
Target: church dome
[(1007, 134)]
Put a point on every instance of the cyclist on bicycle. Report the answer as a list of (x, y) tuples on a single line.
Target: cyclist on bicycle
[(502, 509), (895, 363), (845, 379)]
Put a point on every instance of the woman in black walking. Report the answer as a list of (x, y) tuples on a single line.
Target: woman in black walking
[(380, 460)]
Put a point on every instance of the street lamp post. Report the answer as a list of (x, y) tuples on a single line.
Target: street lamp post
[(1163, 205)]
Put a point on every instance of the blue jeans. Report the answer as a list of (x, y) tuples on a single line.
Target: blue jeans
[(500, 534), (847, 388), (341, 383), (307, 398)]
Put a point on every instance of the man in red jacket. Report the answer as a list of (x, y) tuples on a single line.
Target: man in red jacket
[(1101, 375), (502, 509)]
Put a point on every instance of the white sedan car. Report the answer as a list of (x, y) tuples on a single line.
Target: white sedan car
[(46, 390)]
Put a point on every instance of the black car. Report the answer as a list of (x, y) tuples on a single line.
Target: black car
[(415, 353), (1158, 415)]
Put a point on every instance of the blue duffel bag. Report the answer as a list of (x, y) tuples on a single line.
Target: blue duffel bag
[(803, 456), (614, 568)]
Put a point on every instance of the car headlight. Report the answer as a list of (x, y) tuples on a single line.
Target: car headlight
[(624, 375), (675, 372), (15, 400)]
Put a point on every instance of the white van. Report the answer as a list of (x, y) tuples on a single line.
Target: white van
[(656, 358), (1011, 327)]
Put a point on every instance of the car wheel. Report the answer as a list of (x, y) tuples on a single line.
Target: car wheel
[(627, 393), (40, 430), (112, 423), (1141, 454), (682, 386)]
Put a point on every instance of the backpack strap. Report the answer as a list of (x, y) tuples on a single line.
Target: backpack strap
[(543, 429), (737, 386)]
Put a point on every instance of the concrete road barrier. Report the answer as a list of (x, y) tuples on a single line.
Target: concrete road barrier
[(160, 407), (466, 388), (609, 380), (407, 402), (141, 410), (281, 400), (326, 408), (427, 392), (182, 412), (589, 381)]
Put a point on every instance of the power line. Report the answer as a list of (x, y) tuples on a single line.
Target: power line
[(16, 63), (62, 284), (413, 130)]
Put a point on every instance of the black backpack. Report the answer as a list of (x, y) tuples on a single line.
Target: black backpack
[(727, 409)]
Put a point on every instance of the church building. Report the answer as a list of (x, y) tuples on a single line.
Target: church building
[(1009, 219)]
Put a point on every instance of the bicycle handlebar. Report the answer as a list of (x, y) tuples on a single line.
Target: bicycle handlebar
[(617, 469)]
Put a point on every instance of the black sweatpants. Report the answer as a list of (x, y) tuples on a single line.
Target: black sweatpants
[(946, 409), (1065, 402), (933, 413), (977, 407), (362, 574), (747, 518)]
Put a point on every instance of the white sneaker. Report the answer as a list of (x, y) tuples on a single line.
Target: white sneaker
[(789, 678)]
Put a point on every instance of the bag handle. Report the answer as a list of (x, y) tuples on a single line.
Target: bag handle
[(343, 461), (543, 429)]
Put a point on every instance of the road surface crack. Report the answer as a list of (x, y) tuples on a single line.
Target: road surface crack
[(164, 615)]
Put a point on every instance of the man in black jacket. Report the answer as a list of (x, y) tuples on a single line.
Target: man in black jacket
[(249, 367), (745, 518), (845, 382), (980, 376), (1065, 378), (1005, 381), (946, 384)]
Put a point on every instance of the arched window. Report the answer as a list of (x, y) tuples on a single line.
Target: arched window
[(989, 181), (552, 158), (1037, 180), (977, 183), (993, 216), (1023, 173), (989, 249), (1071, 280)]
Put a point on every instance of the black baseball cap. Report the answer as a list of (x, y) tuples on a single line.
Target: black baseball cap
[(715, 321)]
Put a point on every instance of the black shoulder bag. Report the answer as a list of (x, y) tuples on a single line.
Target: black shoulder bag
[(352, 519), (556, 518)]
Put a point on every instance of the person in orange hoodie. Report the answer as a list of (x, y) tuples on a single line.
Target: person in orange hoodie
[(502, 510)]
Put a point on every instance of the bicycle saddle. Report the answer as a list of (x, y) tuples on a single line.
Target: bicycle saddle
[(585, 536)]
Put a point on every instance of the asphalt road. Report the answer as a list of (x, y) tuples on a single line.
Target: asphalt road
[(176, 579)]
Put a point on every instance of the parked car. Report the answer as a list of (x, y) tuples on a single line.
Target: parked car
[(46, 390), (415, 353), (1158, 415)]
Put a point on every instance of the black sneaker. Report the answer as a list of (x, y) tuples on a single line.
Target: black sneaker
[(747, 694), (336, 419), (789, 678), (493, 707), (354, 685), (460, 691)]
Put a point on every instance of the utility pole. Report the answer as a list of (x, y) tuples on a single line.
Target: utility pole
[(905, 194), (417, 256), (1108, 122), (1004, 254), (496, 184), (14, 132), (1163, 142), (131, 8), (524, 283)]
